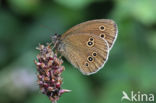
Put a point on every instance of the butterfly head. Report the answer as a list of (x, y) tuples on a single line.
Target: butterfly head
[(55, 38), (56, 41)]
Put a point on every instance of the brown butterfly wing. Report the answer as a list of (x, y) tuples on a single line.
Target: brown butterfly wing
[(86, 56), (104, 28)]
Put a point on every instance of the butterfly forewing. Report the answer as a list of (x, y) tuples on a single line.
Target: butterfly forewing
[(103, 28)]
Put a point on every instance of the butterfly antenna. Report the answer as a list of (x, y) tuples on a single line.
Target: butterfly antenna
[(44, 26)]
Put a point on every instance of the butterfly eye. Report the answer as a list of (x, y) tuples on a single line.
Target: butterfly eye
[(94, 54), (86, 64), (102, 35), (91, 39), (90, 43), (102, 28), (90, 58)]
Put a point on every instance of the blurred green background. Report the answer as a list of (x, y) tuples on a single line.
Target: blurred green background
[(132, 61)]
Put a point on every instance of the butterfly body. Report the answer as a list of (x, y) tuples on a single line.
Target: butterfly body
[(87, 45)]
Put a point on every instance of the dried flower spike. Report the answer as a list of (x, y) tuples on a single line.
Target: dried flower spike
[(49, 69)]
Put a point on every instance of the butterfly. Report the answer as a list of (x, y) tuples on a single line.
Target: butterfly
[(86, 46)]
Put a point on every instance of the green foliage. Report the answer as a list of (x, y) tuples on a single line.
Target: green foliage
[(74, 4), (24, 6)]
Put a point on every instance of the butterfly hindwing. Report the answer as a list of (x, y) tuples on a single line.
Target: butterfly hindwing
[(85, 51)]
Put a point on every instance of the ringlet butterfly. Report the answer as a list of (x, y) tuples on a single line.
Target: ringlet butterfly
[(86, 46)]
